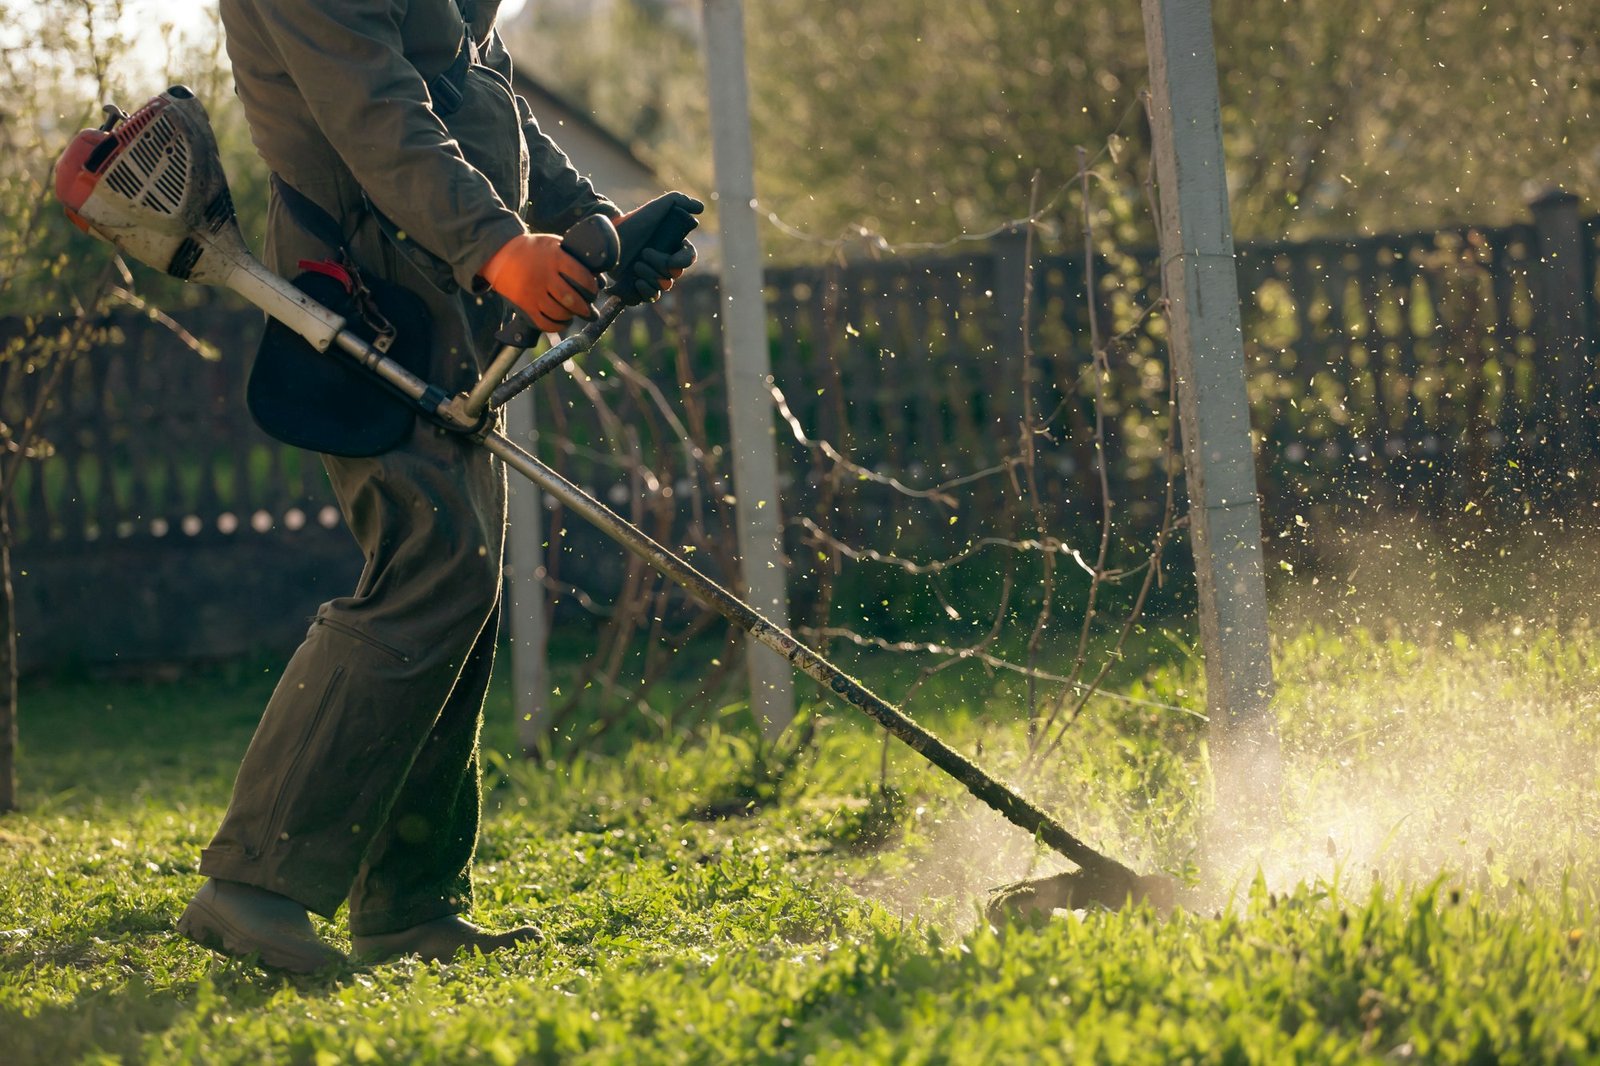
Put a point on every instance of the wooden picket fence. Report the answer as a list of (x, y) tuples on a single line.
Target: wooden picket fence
[(1429, 370)]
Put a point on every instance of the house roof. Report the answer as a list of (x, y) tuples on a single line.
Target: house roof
[(550, 105)]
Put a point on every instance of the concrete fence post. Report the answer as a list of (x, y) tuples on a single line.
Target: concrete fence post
[(1562, 319), (748, 362), (530, 635), (1010, 254), (1200, 278)]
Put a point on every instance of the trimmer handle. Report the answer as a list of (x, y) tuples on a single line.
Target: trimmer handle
[(662, 226), (673, 229), (592, 241)]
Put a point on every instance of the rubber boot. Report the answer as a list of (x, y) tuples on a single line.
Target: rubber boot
[(438, 940), (241, 920)]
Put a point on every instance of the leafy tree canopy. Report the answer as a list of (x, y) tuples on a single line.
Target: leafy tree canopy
[(924, 120)]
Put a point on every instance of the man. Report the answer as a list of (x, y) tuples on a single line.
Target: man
[(396, 118)]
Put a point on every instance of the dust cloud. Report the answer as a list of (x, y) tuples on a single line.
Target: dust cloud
[(1439, 715), (1437, 705)]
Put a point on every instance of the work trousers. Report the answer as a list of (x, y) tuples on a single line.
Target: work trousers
[(361, 782)]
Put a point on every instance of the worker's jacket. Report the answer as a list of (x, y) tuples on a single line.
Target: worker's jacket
[(337, 93)]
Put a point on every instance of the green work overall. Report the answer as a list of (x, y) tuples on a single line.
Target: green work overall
[(361, 782)]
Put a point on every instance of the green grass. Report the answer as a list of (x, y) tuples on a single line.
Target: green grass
[(1430, 894)]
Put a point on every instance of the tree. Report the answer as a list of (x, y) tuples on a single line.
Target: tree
[(56, 283), (36, 275), (1361, 115), (921, 121)]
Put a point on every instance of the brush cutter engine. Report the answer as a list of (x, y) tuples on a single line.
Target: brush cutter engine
[(138, 181), (152, 184)]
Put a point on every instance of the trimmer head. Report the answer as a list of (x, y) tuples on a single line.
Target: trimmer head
[(1079, 890)]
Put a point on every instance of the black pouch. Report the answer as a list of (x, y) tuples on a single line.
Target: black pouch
[(326, 401)]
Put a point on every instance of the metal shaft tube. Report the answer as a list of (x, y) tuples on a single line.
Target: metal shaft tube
[(393, 373), (996, 795), (504, 361), (1113, 881)]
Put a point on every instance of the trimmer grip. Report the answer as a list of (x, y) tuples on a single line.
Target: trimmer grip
[(518, 331), (661, 227), (592, 241), (671, 232)]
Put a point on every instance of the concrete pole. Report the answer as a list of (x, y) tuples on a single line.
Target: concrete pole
[(1200, 279), (744, 341), (530, 637), (1562, 324)]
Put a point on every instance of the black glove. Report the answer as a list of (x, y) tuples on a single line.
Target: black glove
[(655, 249)]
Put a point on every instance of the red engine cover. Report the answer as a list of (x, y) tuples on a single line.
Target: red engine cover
[(78, 170), (73, 178)]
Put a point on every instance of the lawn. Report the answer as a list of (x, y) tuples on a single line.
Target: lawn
[(1429, 895)]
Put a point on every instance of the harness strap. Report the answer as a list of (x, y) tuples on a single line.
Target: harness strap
[(341, 265), (448, 89), (309, 215), (329, 269)]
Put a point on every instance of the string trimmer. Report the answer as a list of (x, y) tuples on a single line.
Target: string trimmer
[(152, 184)]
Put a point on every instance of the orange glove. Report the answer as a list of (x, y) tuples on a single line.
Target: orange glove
[(546, 284)]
